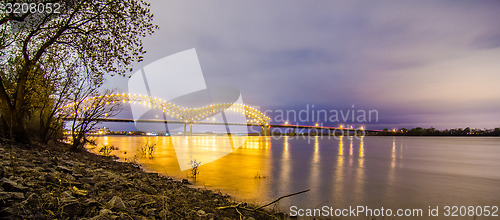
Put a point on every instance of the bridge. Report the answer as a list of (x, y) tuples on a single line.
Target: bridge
[(190, 116)]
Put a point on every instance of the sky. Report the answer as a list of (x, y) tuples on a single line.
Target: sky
[(418, 63)]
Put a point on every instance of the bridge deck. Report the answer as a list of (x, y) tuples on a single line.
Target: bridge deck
[(216, 123)]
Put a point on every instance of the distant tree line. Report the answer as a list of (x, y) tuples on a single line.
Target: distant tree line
[(419, 131)]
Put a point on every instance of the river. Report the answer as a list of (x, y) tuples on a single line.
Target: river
[(372, 171)]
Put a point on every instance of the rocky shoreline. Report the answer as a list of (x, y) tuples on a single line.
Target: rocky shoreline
[(52, 182)]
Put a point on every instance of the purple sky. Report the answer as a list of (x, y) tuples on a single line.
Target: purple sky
[(419, 63)]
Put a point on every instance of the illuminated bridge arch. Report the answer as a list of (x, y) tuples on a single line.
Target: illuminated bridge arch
[(188, 115)]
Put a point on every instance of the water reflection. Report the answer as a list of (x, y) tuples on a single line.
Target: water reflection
[(285, 167), (339, 169), (360, 171), (393, 163), (341, 146), (105, 140), (361, 152), (314, 169), (285, 143), (350, 146), (391, 175), (401, 148), (243, 165), (351, 158), (374, 169), (316, 150)]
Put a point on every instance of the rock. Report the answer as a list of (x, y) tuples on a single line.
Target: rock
[(210, 216), (67, 197), (132, 203), (115, 177), (71, 209), (10, 213), (185, 181), (32, 202), (116, 203), (117, 187), (100, 184), (51, 177), (163, 214), (148, 212), (69, 177), (23, 169), (90, 202), (148, 189), (122, 215), (139, 217), (12, 186), (89, 180), (105, 212), (201, 212), (64, 169), (67, 193), (68, 162), (11, 195)]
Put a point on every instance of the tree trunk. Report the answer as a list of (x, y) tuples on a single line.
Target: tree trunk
[(12, 109), (14, 123), (44, 130), (4, 127), (78, 140), (17, 131)]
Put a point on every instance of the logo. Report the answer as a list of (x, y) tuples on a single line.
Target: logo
[(173, 90)]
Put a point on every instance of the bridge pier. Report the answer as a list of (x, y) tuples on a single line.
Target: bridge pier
[(266, 130), (190, 129)]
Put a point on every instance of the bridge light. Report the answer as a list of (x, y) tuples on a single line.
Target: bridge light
[(341, 126), (362, 128), (316, 124)]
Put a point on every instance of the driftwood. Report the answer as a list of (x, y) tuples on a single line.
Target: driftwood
[(258, 209)]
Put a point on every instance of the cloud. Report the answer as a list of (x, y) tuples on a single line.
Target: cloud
[(432, 56)]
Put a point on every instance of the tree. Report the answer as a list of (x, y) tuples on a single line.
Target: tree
[(100, 37), (88, 104), (467, 130), (47, 93), (496, 132)]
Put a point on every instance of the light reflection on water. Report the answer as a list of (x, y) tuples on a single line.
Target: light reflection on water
[(395, 172)]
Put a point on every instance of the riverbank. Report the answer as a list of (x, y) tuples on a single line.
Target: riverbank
[(48, 182)]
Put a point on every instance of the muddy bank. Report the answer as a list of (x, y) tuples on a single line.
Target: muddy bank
[(48, 182)]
